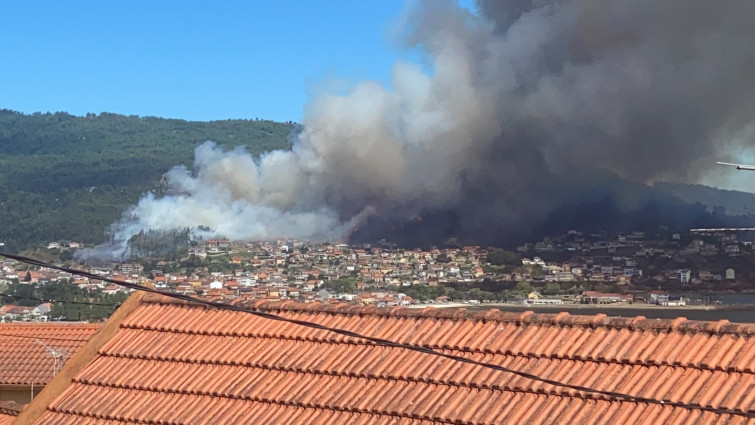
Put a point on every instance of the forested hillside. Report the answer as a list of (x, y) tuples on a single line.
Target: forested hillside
[(734, 202), (64, 177)]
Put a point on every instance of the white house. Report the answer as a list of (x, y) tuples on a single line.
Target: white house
[(729, 274)]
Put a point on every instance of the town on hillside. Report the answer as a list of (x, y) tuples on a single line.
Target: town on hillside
[(573, 268)]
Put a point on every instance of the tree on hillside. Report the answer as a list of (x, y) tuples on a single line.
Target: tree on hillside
[(501, 257), (341, 285), (69, 177)]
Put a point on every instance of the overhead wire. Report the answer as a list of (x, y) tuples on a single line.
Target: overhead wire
[(618, 396), (53, 301), (43, 338)]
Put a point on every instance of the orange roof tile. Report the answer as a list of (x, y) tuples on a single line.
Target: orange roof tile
[(8, 411), (24, 360), (230, 367)]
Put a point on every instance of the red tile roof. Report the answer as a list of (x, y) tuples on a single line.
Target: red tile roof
[(178, 363), (8, 411), (24, 360)]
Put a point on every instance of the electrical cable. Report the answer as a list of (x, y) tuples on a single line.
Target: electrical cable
[(618, 396), (53, 301), (45, 338)]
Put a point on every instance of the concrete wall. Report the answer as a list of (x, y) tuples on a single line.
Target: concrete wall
[(19, 393)]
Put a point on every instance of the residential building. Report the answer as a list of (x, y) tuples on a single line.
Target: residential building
[(32, 353), (163, 361), (730, 274), (684, 275), (658, 297), (594, 297)]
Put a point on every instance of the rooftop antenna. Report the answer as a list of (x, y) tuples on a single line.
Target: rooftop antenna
[(57, 355)]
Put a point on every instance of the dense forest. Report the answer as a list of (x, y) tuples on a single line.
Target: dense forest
[(64, 177)]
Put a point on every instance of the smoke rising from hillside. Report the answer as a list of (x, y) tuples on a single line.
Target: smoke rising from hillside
[(519, 102)]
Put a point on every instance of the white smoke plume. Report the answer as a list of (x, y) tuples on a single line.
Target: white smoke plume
[(516, 99)]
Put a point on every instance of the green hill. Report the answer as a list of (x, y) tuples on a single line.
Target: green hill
[(64, 177), (732, 201)]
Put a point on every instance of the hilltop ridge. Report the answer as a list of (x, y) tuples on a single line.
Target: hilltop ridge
[(70, 177)]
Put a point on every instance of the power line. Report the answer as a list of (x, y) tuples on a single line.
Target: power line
[(45, 338), (50, 300), (618, 396)]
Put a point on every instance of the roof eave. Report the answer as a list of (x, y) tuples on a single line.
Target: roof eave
[(81, 358)]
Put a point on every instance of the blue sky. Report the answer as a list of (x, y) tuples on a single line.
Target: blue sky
[(194, 60)]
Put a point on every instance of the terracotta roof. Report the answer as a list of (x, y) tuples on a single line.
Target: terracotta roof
[(6, 419), (23, 358), (177, 363), (8, 411)]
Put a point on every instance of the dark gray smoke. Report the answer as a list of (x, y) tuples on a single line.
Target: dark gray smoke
[(526, 109), (650, 90)]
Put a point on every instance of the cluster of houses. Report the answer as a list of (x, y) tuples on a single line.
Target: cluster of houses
[(17, 313), (306, 264), (12, 272), (718, 242), (661, 298), (286, 269), (621, 259)]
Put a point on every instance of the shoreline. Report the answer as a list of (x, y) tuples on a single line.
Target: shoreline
[(637, 306)]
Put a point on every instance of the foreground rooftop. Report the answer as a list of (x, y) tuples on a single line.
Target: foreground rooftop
[(8, 411), (161, 361), (26, 350)]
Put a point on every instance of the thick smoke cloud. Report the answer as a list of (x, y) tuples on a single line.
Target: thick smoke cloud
[(515, 113)]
